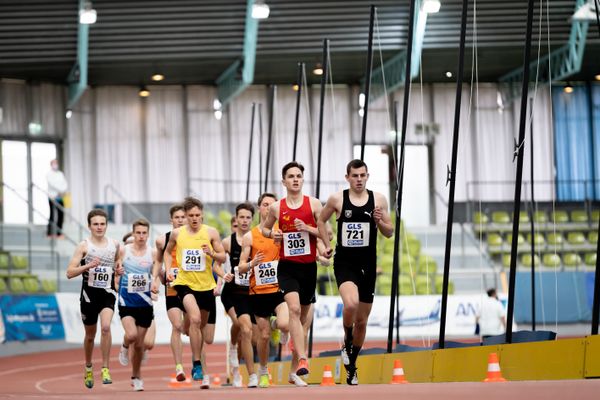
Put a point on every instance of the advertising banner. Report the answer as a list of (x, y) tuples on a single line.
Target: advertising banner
[(29, 317)]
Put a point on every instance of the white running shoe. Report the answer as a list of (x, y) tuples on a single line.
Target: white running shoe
[(345, 356), (296, 380), (205, 382), (253, 381), (179, 373), (124, 356), (138, 384), (237, 378)]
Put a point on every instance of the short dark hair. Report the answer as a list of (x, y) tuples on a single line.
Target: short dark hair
[(174, 208), (232, 220), (96, 212), (262, 197), (244, 206), (127, 236), (356, 163), (140, 222), (191, 202), (289, 165), (491, 292)]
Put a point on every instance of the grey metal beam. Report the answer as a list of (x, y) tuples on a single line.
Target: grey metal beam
[(77, 78)]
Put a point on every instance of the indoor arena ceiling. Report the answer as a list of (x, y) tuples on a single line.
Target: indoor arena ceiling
[(194, 41)]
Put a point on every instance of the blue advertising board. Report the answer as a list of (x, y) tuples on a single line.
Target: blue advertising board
[(31, 318)]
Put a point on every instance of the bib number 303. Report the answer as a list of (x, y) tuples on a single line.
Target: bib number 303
[(296, 244)]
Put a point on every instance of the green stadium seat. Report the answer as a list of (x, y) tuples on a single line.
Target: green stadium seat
[(590, 259), (31, 285), (16, 285), (406, 286), (593, 237), (439, 282), (20, 262), (559, 217), (572, 260), (49, 285), (384, 284), (575, 238), (520, 239), (539, 239), (523, 217), (423, 284), (426, 265), (4, 260), (579, 216), (408, 265), (506, 260), (386, 263), (551, 260), (480, 218), (494, 240), (540, 217), (413, 248), (526, 260), (595, 215), (500, 217), (3, 287), (555, 239)]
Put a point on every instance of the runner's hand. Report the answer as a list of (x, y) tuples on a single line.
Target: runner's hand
[(328, 252), (258, 257), (228, 277), (277, 235), (170, 277), (207, 250), (300, 225), (377, 214), (119, 268), (92, 264)]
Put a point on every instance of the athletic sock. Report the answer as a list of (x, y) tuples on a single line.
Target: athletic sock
[(348, 337), (354, 354), (197, 362)]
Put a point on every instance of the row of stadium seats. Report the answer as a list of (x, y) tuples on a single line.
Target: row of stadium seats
[(568, 260), (540, 217), (553, 240), (8, 261), (26, 283)]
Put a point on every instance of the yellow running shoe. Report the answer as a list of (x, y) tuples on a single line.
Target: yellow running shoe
[(106, 379), (88, 378), (264, 381)]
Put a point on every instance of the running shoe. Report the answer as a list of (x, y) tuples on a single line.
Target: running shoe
[(197, 374), (253, 381), (205, 382), (264, 381), (88, 378), (296, 380), (275, 337), (237, 378), (138, 384), (345, 353), (179, 373), (106, 379), (124, 356), (351, 375), (302, 367)]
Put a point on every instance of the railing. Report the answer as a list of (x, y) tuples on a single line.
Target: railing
[(125, 203), (82, 229)]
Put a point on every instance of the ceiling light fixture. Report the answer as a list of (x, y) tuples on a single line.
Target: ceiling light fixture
[(144, 92), (448, 74), (260, 10), (295, 87), (568, 88), (158, 77), (318, 69), (69, 114), (597, 77), (218, 114), (431, 6), (87, 15)]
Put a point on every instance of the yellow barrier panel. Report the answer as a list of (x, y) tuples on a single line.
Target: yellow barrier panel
[(592, 357), (465, 364), (418, 366)]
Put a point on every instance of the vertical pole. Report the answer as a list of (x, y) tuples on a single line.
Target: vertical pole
[(400, 175), (519, 178), (368, 82), (452, 173), (271, 118), (596, 303), (300, 83), (250, 151), (321, 114), (260, 146), (532, 222)]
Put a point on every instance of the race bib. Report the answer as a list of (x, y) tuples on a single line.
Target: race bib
[(99, 277), (355, 234), (194, 260), (296, 244), (241, 279), (266, 273), (137, 283)]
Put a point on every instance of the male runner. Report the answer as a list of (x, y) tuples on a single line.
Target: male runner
[(135, 301), (297, 269), (197, 245), (265, 298), (96, 259), (360, 213), (235, 298)]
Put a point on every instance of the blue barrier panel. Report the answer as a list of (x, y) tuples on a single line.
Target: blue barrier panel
[(31, 318), (561, 297)]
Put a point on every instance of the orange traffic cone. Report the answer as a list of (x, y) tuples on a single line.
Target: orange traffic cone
[(270, 378), (398, 374), (217, 380), (493, 372), (327, 377), (174, 384)]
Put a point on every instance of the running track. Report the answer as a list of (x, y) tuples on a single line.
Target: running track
[(59, 375)]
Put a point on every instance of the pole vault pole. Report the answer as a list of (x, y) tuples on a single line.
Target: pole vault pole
[(519, 179), (368, 82), (300, 83), (250, 151), (400, 175), (451, 178)]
